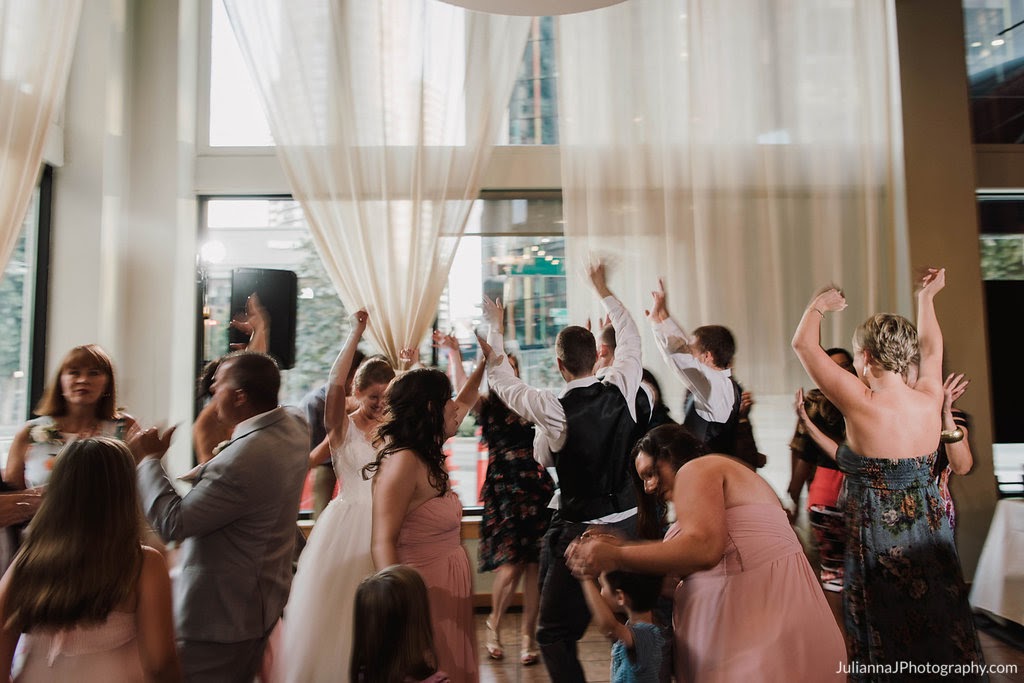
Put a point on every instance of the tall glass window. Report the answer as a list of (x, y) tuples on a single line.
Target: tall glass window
[(994, 39), (17, 303), (513, 249), (1001, 221)]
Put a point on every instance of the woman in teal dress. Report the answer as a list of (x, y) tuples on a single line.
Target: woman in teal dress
[(905, 601)]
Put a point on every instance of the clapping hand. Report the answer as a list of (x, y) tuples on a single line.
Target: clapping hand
[(146, 442)]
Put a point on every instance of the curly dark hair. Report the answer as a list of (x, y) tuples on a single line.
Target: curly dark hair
[(414, 420)]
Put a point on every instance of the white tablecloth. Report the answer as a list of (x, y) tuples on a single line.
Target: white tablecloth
[(999, 579)]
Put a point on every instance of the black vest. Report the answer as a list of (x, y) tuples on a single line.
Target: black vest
[(594, 465), (718, 437)]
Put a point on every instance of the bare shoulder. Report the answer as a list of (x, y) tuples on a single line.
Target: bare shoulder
[(401, 463), (153, 557)]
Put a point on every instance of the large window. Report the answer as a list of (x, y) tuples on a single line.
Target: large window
[(1001, 222), (513, 248), (236, 116), (994, 40), (20, 383)]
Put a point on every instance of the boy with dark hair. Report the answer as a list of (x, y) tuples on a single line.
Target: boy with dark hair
[(638, 645), (703, 362)]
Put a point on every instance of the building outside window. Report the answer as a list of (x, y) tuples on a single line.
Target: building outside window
[(513, 249)]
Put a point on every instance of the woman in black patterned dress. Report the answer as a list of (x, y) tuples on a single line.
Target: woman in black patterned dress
[(515, 493)]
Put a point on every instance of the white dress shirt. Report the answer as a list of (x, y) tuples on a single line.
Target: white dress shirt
[(543, 408), (713, 393)]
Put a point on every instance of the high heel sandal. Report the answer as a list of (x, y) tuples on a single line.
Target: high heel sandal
[(493, 643), (529, 654)]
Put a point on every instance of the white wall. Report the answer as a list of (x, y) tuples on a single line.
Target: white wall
[(124, 211)]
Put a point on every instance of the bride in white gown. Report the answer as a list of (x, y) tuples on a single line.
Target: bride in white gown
[(317, 638)]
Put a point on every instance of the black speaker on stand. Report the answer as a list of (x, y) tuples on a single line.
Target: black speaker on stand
[(279, 294), (1002, 299)]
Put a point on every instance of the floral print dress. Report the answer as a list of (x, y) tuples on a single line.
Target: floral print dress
[(904, 595), (516, 490)]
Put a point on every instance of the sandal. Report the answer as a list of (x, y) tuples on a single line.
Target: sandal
[(529, 654), (493, 643)]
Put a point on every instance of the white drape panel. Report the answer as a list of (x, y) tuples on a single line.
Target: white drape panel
[(384, 114), (37, 41), (746, 151)]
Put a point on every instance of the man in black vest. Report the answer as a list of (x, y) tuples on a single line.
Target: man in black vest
[(702, 362), (589, 430)]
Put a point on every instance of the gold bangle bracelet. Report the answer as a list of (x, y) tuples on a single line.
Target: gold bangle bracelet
[(816, 310), (951, 435)]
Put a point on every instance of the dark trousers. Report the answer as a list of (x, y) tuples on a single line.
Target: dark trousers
[(564, 615), (208, 662)]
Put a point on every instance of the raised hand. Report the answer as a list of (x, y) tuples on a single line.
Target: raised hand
[(597, 273), (659, 309), (362, 318), (485, 348), (952, 389), (447, 342), (932, 282), (801, 412), (830, 299), (494, 313), (408, 356), (255, 323)]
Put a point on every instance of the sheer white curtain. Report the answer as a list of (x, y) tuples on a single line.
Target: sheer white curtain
[(37, 41), (384, 114), (747, 151)]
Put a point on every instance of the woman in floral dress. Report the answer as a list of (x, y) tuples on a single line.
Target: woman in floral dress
[(515, 493), (904, 596)]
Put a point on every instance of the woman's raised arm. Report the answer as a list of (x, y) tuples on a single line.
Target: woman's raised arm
[(335, 415)]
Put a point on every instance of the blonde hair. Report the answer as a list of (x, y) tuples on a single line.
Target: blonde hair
[(392, 635), (373, 370), (890, 339), (83, 554)]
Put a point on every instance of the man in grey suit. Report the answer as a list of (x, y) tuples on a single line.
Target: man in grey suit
[(236, 525)]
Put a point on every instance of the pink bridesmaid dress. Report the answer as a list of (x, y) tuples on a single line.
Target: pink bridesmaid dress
[(430, 542), (759, 614)]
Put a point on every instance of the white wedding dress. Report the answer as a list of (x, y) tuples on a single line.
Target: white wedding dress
[(317, 637)]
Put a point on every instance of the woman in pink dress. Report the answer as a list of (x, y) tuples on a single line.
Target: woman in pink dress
[(93, 602), (416, 515), (749, 606)]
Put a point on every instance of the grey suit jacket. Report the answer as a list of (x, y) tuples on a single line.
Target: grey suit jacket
[(237, 525)]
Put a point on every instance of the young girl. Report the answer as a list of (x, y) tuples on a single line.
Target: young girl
[(391, 608), (94, 603)]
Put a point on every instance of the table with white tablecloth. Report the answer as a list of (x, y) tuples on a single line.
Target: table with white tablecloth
[(998, 585)]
